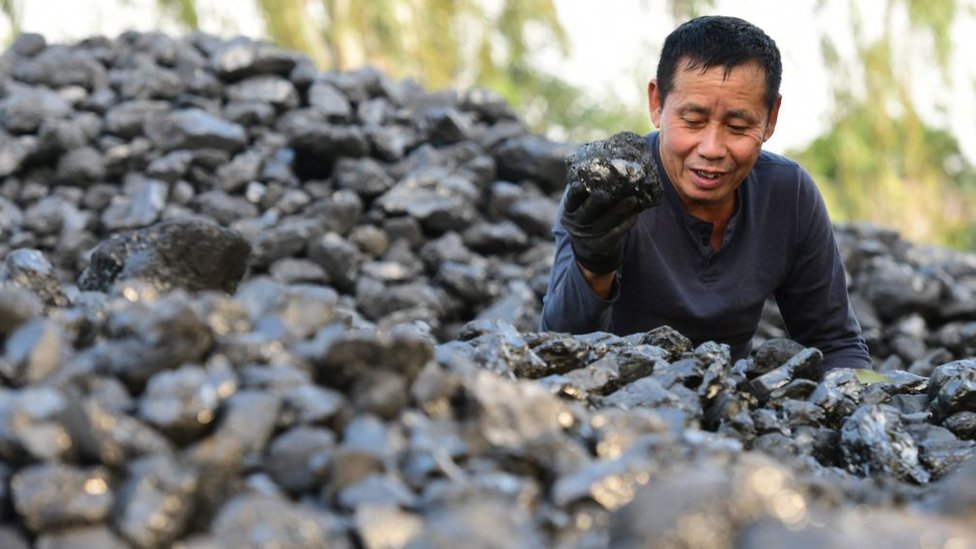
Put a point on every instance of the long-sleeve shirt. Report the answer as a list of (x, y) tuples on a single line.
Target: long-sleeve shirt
[(779, 242)]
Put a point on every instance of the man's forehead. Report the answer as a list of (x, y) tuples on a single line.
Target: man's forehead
[(689, 66)]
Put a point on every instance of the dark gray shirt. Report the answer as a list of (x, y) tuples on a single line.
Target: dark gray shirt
[(779, 242)]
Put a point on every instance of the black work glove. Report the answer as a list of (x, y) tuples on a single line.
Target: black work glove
[(596, 223)]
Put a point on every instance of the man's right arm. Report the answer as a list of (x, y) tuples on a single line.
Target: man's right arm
[(577, 300)]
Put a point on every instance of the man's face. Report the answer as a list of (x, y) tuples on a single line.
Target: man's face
[(712, 129)]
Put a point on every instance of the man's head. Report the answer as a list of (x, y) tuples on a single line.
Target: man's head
[(716, 102), (719, 41)]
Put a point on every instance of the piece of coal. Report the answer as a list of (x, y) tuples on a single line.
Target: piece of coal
[(622, 165)]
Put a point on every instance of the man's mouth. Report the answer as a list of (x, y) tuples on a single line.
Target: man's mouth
[(707, 175)]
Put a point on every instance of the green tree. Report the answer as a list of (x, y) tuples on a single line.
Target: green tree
[(184, 11), (11, 11), (880, 160)]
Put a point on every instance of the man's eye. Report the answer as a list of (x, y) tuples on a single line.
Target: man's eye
[(694, 122), (738, 129)]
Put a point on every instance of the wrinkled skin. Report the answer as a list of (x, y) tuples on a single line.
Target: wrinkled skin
[(712, 126)]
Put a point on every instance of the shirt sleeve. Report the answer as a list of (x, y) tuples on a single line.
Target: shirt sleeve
[(813, 299), (570, 305)]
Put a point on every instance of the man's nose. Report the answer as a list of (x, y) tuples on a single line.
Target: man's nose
[(712, 144)]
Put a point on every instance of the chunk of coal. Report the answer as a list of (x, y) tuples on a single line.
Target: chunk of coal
[(51, 496), (190, 254), (153, 507), (952, 388), (253, 521), (873, 441), (622, 165)]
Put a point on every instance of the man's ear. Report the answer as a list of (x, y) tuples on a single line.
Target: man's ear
[(773, 115), (654, 103)]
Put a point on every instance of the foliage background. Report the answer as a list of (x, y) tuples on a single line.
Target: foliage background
[(886, 156)]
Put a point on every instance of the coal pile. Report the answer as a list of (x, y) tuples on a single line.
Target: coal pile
[(246, 303)]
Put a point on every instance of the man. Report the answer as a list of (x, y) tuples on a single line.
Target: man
[(736, 225)]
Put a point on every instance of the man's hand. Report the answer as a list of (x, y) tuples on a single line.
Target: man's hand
[(597, 223)]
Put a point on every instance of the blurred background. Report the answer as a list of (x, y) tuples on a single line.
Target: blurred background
[(879, 95)]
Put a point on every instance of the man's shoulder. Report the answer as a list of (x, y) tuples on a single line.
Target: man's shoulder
[(775, 171), (778, 182), (777, 163)]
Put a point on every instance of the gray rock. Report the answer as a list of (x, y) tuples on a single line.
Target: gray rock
[(249, 418), (534, 214), (17, 307), (171, 166), (495, 238), (23, 109), (328, 100), (484, 523), (141, 206), (643, 392), (364, 176), (952, 388), (394, 142), (299, 459), (241, 57), (129, 119), (288, 238), (939, 450), (874, 441), (772, 354), (28, 44), (30, 269), (895, 289), (318, 145), (668, 339), (223, 208), (181, 403), (34, 352), (48, 496), (111, 436), (268, 89), (82, 537), (955, 494), (154, 505), (194, 129), (14, 152), (805, 364), (33, 425), (189, 254), (312, 404), (445, 125), (962, 424), (535, 158), (250, 521), (147, 81), (58, 66), (249, 114), (298, 271), (517, 305), (376, 489), (621, 165), (380, 526), (146, 342)]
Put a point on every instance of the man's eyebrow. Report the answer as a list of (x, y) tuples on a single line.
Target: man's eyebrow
[(695, 109), (743, 115)]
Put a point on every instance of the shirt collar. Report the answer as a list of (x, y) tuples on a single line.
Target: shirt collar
[(700, 230)]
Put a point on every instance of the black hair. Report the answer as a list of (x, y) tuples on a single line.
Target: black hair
[(712, 41)]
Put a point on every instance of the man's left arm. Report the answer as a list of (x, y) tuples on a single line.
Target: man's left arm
[(813, 299)]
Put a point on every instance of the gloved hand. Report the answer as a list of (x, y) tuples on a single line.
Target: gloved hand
[(596, 223)]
